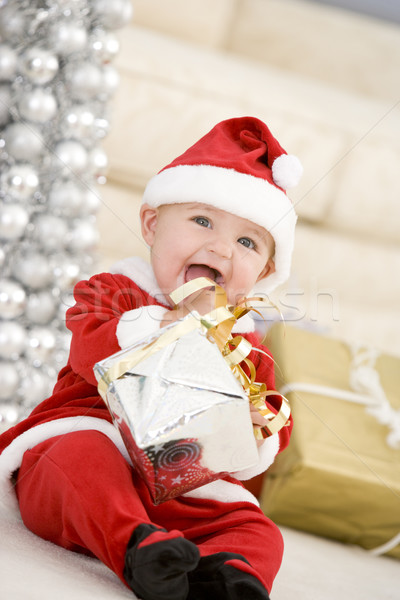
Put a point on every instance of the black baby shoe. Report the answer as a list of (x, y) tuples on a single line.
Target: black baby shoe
[(157, 563), (215, 579)]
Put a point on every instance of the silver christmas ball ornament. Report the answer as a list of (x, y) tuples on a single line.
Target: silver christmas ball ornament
[(8, 62), (84, 81), (68, 37), (66, 198), (71, 199), (32, 270), (66, 271), (98, 162), (105, 45), (64, 340), (13, 221), (83, 236), (40, 307), (111, 80), (39, 65), (50, 232), (38, 106), (9, 380), (35, 387), (23, 142), (40, 344), (67, 300), (5, 103), (113, 15), (9, 415), (12, 22), (19, 181), (62, 348), (78, 123), (12, 299), (12, 340), (102, 127), (91, 202), (70, 157)]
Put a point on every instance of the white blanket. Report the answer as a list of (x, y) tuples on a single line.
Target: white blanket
[(313, 569)]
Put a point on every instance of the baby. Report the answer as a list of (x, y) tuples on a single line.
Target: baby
[(219, 211)]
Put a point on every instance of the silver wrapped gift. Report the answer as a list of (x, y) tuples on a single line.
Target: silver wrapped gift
[(182, 414)]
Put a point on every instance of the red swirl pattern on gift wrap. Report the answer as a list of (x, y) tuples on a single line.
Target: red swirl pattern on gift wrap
[(173, 468)]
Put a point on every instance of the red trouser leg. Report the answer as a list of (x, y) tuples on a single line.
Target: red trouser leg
[(236, 527), (247, 532), (76, 490)]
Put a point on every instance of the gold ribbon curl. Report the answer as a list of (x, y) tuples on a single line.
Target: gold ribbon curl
[(217, 325)]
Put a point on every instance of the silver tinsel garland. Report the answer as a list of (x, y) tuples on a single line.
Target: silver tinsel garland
[(56, 81)]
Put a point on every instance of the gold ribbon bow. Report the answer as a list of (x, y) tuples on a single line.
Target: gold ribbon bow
[(217, 324)]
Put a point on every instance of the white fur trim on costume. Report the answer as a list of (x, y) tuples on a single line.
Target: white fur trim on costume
[(245, 324), (241, 194), (266, 452), (222, 491), (11, 457), (138, 324), (141, 272)]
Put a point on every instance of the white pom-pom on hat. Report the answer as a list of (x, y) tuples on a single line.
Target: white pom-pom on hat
[(287, 171)]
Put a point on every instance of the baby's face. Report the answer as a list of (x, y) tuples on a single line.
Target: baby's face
[(195, 240)]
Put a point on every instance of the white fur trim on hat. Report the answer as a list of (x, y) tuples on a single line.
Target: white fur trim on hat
[(244, 195)]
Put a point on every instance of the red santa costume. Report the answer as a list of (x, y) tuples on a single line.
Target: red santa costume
[(68, 469)]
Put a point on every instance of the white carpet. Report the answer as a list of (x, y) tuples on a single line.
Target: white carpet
[(316, 568), (313, 569)]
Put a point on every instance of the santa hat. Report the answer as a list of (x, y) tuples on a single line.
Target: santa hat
[(238, 167)]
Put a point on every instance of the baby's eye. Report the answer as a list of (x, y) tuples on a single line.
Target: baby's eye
[(203, 221), (247, 242)]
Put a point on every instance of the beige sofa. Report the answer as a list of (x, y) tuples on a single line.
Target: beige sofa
[(326, 82)]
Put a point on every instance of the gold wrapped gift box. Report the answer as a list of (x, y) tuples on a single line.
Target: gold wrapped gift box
[(339, 477)]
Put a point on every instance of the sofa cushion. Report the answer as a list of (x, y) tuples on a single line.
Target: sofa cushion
[(345, 286), (339, 47), (187, 20), (368, 191)]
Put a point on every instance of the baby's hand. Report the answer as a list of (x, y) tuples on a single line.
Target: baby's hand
[(202, 301), (256, 419)]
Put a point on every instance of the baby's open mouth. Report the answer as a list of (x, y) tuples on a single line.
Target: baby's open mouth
[(194, 271)]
